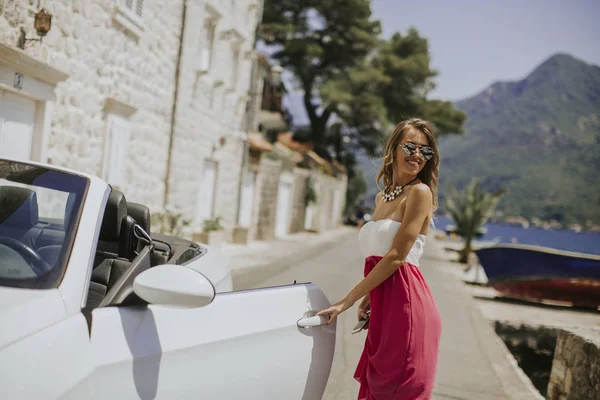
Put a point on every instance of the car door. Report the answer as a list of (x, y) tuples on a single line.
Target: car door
[(253, 344)]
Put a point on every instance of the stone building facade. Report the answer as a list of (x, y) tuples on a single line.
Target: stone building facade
[(210, 140), (133, 91), (96, 95), (159, 99)]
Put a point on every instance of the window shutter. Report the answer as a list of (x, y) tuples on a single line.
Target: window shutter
[(235, 66), (204, 59), (206, 193), (136, 6), (117, 150), (139, 7)]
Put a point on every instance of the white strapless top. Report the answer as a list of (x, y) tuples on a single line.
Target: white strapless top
[(376, 238)]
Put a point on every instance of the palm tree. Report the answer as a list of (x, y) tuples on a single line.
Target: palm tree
[(470, 210)]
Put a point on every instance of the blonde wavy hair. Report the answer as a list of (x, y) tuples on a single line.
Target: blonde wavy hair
[(430, 172)]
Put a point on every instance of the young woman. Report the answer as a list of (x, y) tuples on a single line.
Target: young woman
[(401, 349)]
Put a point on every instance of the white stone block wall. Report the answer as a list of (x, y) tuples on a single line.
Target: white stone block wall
[(326, 186), (265, 212), (105, 60)]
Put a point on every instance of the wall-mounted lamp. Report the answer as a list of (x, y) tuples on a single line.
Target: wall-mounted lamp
[(42, 25), (219, 144)]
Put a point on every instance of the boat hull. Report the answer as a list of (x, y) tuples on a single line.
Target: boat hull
[(541, 274)]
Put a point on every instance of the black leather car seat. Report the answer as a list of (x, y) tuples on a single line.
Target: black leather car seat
[(117, 248), (19, 217), (141, 215), (108, 266)]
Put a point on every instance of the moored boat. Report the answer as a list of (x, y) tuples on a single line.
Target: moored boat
[(537, 273)]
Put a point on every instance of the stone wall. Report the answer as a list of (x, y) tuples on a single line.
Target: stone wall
[(267, 187), (331, 197), (104, 60), (299, 199), (576, 366)]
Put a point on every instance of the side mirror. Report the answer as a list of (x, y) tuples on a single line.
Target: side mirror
[(174, 285)]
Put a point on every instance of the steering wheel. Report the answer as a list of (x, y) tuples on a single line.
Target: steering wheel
[(38, 264)]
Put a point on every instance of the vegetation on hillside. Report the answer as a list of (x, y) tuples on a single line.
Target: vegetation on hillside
[(539, 138)]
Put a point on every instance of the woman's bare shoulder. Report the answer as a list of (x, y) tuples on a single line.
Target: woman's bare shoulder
[(421, 191)]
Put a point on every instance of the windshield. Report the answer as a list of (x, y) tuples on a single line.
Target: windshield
[(39, 211)]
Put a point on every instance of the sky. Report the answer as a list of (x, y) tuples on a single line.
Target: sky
[(474, 43)]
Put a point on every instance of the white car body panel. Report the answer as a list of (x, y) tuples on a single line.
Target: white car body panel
[(215, 267), (49, 362), (43, 308), (79, 268), (244, 345)]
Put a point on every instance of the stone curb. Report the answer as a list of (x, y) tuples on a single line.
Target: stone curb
[(515, 382)]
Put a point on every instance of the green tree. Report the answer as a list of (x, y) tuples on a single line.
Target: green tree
[(356, 188), (470, 210), (344, 69), (406, 61), (320, 41)]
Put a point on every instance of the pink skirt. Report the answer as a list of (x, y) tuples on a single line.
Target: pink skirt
[(401, 349)]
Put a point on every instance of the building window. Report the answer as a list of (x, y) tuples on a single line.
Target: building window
[(207, 45), (116, 145), (250, 16), (206, 191), (116, 149), (135, 6), (129, 14), (235, 61)]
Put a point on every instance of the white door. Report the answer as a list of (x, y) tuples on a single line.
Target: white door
[(206, 193), (308, 217), (245, 345), (282, 219), (117, 150), (17, 119), (247, 200)]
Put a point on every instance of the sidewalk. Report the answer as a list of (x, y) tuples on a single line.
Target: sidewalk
[(252, 262), (474, 363)]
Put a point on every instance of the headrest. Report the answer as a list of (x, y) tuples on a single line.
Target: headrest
[(18, 207), (114, 213), (69, 208), (141, 214)]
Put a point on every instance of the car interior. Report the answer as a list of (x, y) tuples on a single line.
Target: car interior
[(126, 248), (19, 220)]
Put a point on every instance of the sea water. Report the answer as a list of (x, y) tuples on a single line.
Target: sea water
[(556, 239)]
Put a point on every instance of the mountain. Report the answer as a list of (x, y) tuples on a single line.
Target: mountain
[(538, 137)]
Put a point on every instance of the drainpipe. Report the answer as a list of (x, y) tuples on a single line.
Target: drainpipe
[(248, 120), (174, 108)]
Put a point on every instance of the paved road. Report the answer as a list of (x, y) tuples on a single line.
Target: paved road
[(466, 370)]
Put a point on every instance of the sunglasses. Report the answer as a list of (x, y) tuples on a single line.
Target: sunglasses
[(425, 152)]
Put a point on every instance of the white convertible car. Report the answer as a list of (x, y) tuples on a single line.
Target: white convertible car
[(93, 305)]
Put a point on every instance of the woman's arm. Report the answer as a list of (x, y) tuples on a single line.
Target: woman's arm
[(418, 208)]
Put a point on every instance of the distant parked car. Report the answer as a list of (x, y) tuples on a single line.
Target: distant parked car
[(94, 305)]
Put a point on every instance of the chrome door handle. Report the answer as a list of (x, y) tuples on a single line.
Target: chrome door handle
[(311, 320)]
